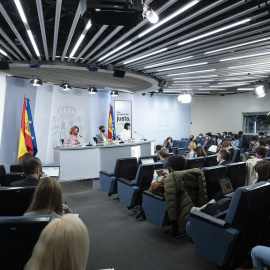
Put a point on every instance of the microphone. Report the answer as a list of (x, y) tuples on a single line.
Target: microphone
[(140, 135), (89, 144), (118, 137)]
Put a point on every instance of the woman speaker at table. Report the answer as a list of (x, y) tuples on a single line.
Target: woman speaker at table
[(102, 137), (72, 137)]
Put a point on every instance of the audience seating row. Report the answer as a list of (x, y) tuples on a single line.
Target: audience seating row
[(154, 205), (246, 225), (16, 174)]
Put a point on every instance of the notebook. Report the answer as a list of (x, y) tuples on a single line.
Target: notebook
[(52, 171)]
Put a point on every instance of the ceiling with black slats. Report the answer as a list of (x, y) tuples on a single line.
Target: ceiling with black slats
[(202, 47)]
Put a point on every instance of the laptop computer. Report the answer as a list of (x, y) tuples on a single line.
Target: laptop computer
[(226, 186), (52, 171), (147, 160)]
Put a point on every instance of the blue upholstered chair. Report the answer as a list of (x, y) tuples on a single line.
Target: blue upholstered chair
[(128, 191), (154, 157), (2, 174), (14, 201), (224, 241), (155, 210), (176, 145), (124, 167), (210, 161), (195, 163), (18, 237), (237, 174), (236, 155), (212, 174)]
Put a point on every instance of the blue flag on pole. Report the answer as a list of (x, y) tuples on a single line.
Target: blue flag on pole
[(31, 126)]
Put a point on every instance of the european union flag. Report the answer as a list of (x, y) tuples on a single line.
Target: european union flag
[(31, 126)]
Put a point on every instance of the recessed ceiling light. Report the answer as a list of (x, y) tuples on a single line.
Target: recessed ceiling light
[(245, 89), (243, 56), (115, 50)]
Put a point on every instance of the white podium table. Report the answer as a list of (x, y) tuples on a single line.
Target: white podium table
[(85, 162)]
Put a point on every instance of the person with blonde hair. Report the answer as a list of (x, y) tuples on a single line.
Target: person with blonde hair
[(63, 245), (47, 199), (72, 137), (192, 154)]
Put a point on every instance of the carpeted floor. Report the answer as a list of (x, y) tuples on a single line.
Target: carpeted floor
[(118, 240)]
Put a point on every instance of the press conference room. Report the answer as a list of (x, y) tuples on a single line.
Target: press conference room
[(134, 134)]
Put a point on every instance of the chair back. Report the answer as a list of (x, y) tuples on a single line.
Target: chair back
[(13, 177), (195, 163), (18, 236), (16, 168), (144, 174), (2, 174), (249, 213), (237, 174), (210, 161), (154, 157), (212, 174), (15, 201), (236, 155), (176, 143), (125, 168)]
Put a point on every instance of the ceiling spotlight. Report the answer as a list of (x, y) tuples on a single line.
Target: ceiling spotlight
[(160, 90), (92, 90), (184, 98), (65, 86), (114, 93), (259, 91), (36, 81), (150, 14), (143, 94)]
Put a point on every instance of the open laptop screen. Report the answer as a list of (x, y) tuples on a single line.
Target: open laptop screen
[(147, 160), (52, 171)]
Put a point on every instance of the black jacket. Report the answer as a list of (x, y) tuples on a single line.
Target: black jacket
[(29, 181)]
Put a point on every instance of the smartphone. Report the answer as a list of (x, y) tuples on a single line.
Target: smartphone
[(42, 174)]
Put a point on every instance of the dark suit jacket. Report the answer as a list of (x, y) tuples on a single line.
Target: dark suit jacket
[(208, 144), (27, 182), (100, 138), (224, 162)]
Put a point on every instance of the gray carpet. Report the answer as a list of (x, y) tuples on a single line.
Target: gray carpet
[(118, 240)]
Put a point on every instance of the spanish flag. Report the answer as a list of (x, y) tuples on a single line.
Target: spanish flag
[(111, 125), (27, 141)]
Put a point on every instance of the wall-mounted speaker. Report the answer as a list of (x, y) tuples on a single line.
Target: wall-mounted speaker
[(4, 65), (119, 73)]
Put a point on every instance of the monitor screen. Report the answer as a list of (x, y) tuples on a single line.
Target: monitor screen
[(147, 160), (52, 171)]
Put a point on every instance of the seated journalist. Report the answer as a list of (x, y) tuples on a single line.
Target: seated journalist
[(174, 163), (32, 169)]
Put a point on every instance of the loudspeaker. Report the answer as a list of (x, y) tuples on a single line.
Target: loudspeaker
[(4, 65), (119, 73)]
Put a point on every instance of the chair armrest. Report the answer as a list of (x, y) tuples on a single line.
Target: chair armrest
[(209, 219), (106, 173), (153, 195), (125, 181)]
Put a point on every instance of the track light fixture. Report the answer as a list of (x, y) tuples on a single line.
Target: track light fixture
[(184, 98), (36, 81), (65, 86), (114, 93), (259, 90), (160, 90), (92, 90), (149, 13), (151, 94)]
